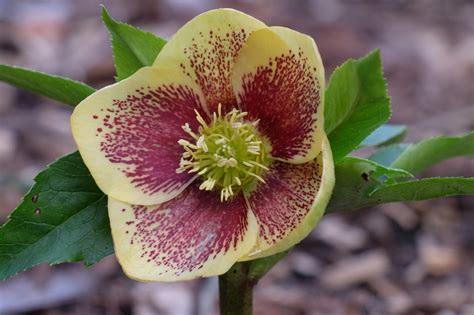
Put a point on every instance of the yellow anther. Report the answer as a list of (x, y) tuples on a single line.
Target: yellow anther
[(201, 143), (229, 153), (200, 119)]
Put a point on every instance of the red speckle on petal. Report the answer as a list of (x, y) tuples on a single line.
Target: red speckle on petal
[(284, 95), (141, 134), (211, 59), (189, 230), (283, 202)]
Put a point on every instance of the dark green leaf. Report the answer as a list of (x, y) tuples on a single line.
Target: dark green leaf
[(384, 135), (375, 170), (62, 219), (341, 95), (356, 103), (55, 87), (356, 178), (356, 188), (422, 189), (420, 156), (387, 155), (259, 267), (132, 47)]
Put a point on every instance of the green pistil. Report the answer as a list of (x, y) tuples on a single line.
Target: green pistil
[(228, 153)]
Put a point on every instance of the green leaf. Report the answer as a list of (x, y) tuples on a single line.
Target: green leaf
[(420, 156), (55, 87), (341, 95), (355, 190), (384, 135), (62, 219), (388, 154), (133, 48), (356, 178), (259, 267), (375, 170), (356, 103), (422, 189)]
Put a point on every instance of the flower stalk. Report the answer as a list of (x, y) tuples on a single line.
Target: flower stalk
[(236, 290)]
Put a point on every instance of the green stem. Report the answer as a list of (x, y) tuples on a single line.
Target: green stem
[(235, 290)]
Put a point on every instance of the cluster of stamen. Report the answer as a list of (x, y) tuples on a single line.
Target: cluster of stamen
[(227, 153)]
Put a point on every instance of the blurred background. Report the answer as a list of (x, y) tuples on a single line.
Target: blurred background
[(415, 258)]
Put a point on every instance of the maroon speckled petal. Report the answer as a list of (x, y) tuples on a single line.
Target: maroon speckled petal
[(281, 86), (127, 135), (290, 203), (204, 49), (192, 235), (143, 130)]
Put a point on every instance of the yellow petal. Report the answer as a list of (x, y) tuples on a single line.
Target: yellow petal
[(127, 134), (289, 211), (278, 78), (205, 47), (193, 235)]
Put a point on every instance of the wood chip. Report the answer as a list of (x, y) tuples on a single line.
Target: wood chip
[(356, 269)]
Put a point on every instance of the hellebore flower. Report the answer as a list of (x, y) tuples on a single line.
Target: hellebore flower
[(214, 154)]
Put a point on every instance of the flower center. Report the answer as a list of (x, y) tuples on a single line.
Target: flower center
[(228, 154)]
